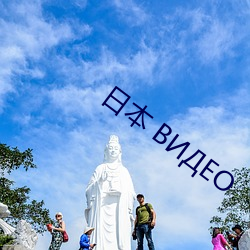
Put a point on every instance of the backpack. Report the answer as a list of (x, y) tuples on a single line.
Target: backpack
[(149, 212)]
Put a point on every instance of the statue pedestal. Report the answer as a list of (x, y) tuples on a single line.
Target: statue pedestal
[(244, 242), (13, 247)]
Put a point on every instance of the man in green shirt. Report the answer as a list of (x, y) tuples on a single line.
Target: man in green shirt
[(144, 223)]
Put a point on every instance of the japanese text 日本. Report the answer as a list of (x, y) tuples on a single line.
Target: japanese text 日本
[(116, 105)]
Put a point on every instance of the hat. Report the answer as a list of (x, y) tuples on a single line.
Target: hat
[(87, 229), (237, 227), (59, 213)]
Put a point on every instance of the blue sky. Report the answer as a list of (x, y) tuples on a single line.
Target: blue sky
[(188, 61)]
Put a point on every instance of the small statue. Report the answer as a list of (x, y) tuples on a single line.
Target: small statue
[(23, 234)]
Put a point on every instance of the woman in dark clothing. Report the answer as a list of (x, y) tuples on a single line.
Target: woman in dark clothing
[(56, 231)]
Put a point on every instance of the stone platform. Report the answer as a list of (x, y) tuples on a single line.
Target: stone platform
[(13, 247)]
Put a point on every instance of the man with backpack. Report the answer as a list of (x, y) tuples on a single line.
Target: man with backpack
[(144, 223)]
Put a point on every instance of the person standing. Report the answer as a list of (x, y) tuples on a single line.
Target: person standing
[(85, 239), (56, 231), (239, 231), (143, 225), (218, 240)]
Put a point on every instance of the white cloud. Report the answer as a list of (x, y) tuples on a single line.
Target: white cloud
[(80, 3), (32, 33), (126, 70), (105, 69), (25, 35), (143, 64), (217, 42), (218, 132), (239, 101), (198, 20), (200, 33), (131, 12), (79, 102)]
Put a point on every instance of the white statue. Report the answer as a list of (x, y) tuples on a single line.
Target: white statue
[(25, 235), (4, 212), (244, 242), (110, 197)]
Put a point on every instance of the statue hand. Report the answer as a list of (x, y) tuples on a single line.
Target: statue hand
[(132, 217)]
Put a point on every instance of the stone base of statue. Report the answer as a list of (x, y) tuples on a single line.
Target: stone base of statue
[(244, 242), (13, 247)]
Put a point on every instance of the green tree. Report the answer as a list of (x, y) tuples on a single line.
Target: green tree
[(235, 207), (17, 199)]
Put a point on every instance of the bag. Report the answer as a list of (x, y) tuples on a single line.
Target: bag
[(65, 236), (49, 227), (134, 235)]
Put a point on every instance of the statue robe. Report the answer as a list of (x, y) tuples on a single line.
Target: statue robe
[(244, 242), (110, 197)]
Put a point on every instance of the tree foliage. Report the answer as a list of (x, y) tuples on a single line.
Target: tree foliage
[(6, 239), (11, 159), (17, 199), (235, 207)]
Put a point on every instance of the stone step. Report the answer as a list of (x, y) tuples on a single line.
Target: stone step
[(12, 247)]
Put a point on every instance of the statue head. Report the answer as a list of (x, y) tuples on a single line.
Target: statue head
[(113, 150)]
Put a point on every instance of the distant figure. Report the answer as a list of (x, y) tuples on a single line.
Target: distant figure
[(56, 231), (144, 223), (231, 240), (85, 239), (239, 231), (218, 240), (110, 197)]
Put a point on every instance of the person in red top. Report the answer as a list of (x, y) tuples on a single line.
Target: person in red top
[(218, 240)]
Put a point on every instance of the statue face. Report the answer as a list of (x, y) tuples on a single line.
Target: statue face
[(114, 150)]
